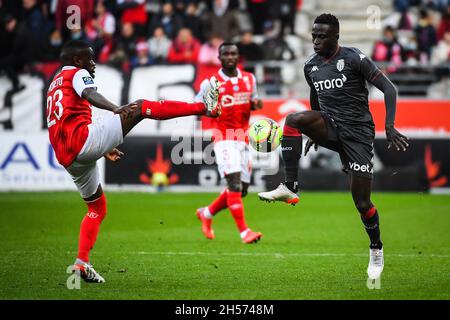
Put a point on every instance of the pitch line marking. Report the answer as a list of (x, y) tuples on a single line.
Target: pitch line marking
[(267, 254), (281, 255)]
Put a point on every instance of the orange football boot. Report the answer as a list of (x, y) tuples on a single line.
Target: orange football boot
[(206, 224)]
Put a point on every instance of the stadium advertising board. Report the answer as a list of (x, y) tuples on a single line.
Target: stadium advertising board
[(187, 164), (416, 118), (28, 163), (183, 163)]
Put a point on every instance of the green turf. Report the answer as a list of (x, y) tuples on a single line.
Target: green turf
[(151, 247)]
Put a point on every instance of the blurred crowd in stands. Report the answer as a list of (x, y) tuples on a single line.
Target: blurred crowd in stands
[(418, 33), (131, 33)]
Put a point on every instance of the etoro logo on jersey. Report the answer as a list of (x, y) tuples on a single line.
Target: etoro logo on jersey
[(330, 84), (228, 100)]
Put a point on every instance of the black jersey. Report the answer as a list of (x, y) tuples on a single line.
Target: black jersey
[(340, 83)]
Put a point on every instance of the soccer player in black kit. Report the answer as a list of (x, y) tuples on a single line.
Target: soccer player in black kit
[(340, 120)]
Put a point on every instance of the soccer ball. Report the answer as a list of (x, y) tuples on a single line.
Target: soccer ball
[(265, 135)]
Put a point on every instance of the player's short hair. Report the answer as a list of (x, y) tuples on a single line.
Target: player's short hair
[(227, 43), (328, 18), (72, 48)]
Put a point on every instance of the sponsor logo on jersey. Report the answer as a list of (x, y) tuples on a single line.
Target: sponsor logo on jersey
[(361, 167), (330, 84), (88, 80), (286, 148), (340, 64), (315, 68), (238, 98)]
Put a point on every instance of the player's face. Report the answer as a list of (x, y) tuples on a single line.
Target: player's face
[(229, 57), (86, 61), (324, 39)]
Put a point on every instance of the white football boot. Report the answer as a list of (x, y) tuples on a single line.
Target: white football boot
[(87, 272), (282, 193), (211, 98), (376, 263)]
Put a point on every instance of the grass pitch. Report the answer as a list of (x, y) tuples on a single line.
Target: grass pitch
[(151, 247)]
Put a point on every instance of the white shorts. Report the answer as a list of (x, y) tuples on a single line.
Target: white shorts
[(104, 135), (233, 156)]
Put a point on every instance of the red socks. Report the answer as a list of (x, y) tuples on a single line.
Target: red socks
[(234, 203), (369, 214), (232, 200), (166, 109), (290, 131), (219, 203), (90, 227)]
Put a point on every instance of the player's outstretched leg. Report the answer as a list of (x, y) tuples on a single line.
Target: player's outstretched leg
[(361, 189), (310, 123), (167, 109), (89, 229)]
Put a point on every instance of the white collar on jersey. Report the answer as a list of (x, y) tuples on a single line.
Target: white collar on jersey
[(226, 78), (68, 68)]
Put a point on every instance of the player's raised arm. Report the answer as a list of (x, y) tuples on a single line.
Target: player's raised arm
[(394, 137), (313, 99), (99, 101), (376, 77)]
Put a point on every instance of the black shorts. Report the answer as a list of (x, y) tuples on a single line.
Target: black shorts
[(354, 145)]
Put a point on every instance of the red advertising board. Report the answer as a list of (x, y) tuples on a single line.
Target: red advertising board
[(428, 118)]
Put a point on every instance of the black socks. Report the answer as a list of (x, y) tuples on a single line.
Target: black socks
[(291, 150), (372, 228)]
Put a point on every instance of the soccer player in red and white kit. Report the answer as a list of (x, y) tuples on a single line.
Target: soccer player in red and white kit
[(79, 141), (237, 97)]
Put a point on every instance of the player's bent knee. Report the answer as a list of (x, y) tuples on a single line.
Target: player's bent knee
[(297, 120), (139, 103), (235, 186), (363, 206), (292, 119), (97, 208)]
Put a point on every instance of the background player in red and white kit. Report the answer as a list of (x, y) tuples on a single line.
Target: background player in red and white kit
[(79, 141), (237, 97)]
